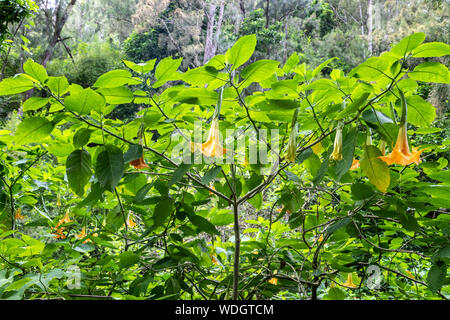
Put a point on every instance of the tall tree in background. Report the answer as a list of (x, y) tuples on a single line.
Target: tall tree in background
[(56, 17), (213, 29)]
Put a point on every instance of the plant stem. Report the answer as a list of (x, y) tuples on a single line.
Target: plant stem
[(237, 237)]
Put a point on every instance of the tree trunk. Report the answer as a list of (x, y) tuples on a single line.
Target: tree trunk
[(267, 13), (209, 42), (212, 36)]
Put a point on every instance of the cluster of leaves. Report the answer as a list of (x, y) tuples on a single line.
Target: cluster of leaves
[(115, 212)]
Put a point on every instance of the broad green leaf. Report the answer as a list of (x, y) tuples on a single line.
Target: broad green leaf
[(162, 212), (323, 168), (179, 173), (291, 63), (15, 85), (81, 137), (84, 101), (166, 70), (241, 51), (407, 44), (338, 225), (197, 96), (58, 85), (78, 170), (353, 107), (258, 71), (431, 49), (115, 78), (370, 70), (109, 167), (200, 76), (421, 113), (430, 72), (33, 130), (361, 191), (222, 219), (117, 95), (374, 168), (144, 67), (127, 259), (35, 70), (278, 104), (211, 174), (34, 103), (321, 66), (436, 276), (384, 125), (134, 152), (203, 224)]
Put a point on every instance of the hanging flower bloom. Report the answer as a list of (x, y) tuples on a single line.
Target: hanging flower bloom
[(273, 281), (18, 215), (337, 150), (410, 274), (139, 163), (349, 283), (401, 153), (214, 260), (130, 221), (59, 233), (82, 235), (212, 147), (355, 164), (317, 148), (320, 238)]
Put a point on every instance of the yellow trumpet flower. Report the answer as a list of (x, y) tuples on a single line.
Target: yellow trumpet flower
[(337, 150), (349, 283), (212, 147), (139, 163), (273, 281), (355, 164), (18, 215), (401, 153)]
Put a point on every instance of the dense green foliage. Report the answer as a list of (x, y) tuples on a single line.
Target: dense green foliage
[(94, 207)]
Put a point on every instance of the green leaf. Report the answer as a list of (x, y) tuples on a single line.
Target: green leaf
[(321, 66), (84, 101), (241, 51), (144, 67), (278, 104), (197, 96), (15, 85), (32, 130), (374, 168), (115, 78), (200, 76), (78, 170), (338, 225), (353, 106), (58, 85), (203, 224), (430, 72), (134, 152), (258, 71), (431, 49), (162, 212), (323, 168), (421, 113), (117, 95), (109, 167), (127, 259), (384, 125), (436, 276), (407, 44), (361, 191), (81, 137), (222, 219), (291, 63), (35, 70), (211, 174), (166, 70), (179, 173), (34, 103)]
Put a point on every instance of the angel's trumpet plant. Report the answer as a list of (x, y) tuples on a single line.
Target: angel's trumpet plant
[(337, 147), (140, 162), (292, 143), (349, 283), (212, 147), (401, 153)]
